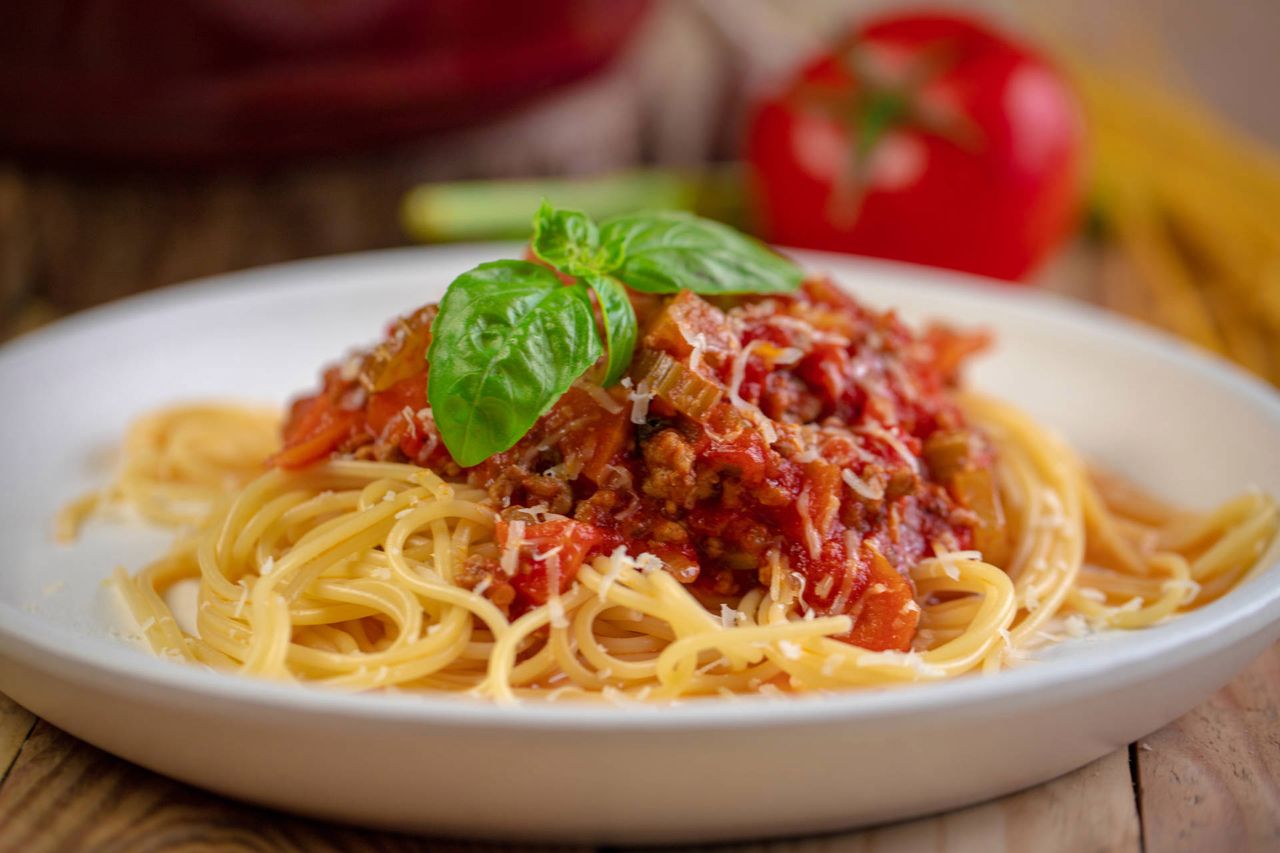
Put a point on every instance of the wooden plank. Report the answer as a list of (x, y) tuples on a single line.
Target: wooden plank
[(1211, 780), (16, 723), (63, 794), (1090, 809)]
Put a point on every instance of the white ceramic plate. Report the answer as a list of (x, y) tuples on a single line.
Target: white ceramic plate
[(1179, 423)]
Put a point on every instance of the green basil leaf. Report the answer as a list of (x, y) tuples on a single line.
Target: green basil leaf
[(667, 251), (510, 338), (619, 324), (568, 240)]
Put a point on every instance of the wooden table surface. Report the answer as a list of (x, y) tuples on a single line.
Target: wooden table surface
[(1209, 781)]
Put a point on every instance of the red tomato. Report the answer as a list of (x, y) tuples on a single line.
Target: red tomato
[(385, 413), (570, 541), (885, 617), (315, 428), (926, 138)]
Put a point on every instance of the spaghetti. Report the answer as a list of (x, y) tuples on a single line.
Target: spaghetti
[(345, 573)]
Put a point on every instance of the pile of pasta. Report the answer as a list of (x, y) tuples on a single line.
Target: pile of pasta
[(343, 574)]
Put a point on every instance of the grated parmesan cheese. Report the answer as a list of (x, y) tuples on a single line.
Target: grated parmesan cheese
[(947, 559), (790, 650), (648, 563), (736, 375), (549, 553), (699, 344), (765, 425), (808, 334), (730, 617), (640, 398), (891, 441), (870, 491), (509, 561), (602, 397), (798, 584), (810, 532), (788, 356), (350, 369), (1076, 625), (738, 372), (556, 608), (1031, 600), (617, 560), (909, 660)]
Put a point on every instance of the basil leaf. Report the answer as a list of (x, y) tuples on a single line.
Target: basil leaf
[(667, 251), (510, 338), (619, 324), (568, 240)]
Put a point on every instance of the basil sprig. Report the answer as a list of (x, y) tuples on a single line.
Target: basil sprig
[(511, 336)]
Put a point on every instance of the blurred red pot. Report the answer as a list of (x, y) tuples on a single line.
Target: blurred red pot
[(194, 81)]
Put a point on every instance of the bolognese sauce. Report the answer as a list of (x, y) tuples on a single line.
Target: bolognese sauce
[(801, 440)]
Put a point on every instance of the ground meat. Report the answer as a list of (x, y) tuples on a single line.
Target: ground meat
[(600, 508), (475, 570), (671, 477), (550, 490), (787, 398), (501, 485), (903, 482), (670, 531)]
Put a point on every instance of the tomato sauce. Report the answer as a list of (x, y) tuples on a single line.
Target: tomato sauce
[(831, 459)]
